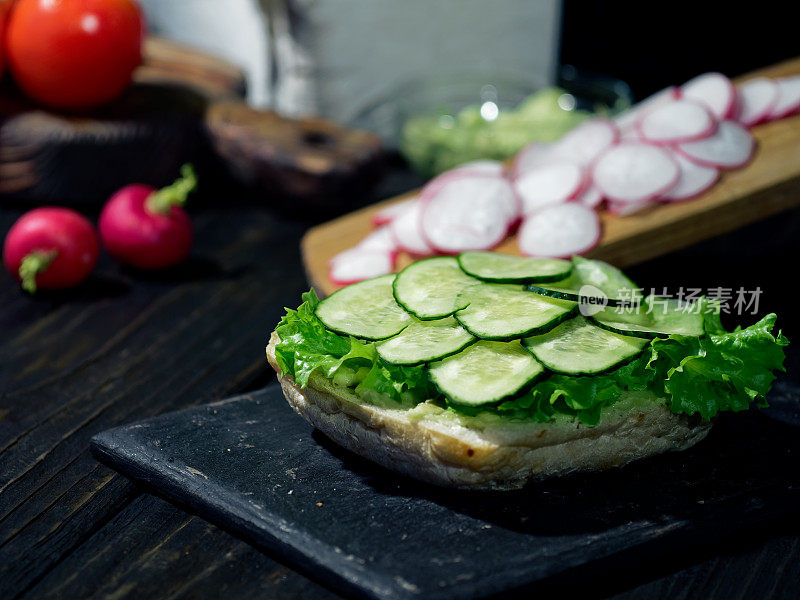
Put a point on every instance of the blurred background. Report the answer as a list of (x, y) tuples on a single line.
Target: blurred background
[(334, 58), (436, 83)]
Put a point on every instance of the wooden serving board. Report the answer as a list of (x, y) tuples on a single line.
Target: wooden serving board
[(768, 185)]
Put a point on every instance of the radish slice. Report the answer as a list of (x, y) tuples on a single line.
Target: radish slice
[(788, 101), (587, 141), (715, 91), (633, 172), (695, 179), (531, 156), (624, 209), (729, 148), (485, 167), (677, 121), (631, 134), (470, 212), (756, 100), (355, 265), (591, 197), (506, 199), (406, 231), (380, 240), (391, 212), (445, 178), (439, 181), (549, 184), (627, 119), (559, 231)]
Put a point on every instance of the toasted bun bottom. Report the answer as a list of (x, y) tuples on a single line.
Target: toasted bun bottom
[(487, 451)]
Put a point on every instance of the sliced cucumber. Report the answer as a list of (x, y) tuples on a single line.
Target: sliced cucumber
[(602, 275), (592, 282), (485, 372), (498, 311), (505, 268), (365, 310), (425, 341), (428, 288), (656, 317), (576, 347)]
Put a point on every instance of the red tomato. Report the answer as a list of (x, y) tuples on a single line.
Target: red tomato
[(50, 248), (74, 53), (5, 6)]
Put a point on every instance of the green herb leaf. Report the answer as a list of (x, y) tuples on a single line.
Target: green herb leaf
[(307, 346), (725, 371)]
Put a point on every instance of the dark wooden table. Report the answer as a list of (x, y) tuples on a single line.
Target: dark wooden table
[(127, 346)]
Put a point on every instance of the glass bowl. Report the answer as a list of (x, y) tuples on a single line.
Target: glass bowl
[(439, 122)]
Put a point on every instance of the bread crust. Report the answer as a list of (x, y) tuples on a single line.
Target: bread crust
[(452, 450)]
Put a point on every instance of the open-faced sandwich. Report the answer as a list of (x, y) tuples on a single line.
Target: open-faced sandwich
[(487, 370)]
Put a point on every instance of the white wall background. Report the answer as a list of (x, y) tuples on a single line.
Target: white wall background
[(234, 29), (331, 57)]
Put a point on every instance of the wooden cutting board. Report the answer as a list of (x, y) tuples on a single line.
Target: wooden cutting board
[(768, 185)]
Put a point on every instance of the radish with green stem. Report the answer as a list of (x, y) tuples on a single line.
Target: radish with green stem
[(148, 228), (50, 248)]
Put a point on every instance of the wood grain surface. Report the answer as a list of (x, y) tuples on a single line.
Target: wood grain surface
[(766, 186), (70, 361)]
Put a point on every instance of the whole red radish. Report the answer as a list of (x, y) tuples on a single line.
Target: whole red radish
[(50, 248), (148, 228)]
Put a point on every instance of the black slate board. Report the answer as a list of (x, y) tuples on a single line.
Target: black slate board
[(251, 466)]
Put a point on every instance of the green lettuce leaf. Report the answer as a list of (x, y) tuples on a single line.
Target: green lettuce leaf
[(583, 397), (721, 371), (306, 344), (306, 347), (402, 384)]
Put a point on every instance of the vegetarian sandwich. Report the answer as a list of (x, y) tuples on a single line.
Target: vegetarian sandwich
[(488, 370)]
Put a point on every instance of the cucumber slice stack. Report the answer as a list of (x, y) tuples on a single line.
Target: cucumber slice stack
[(487, 325), (504, 268), (425, 341), (577, 347), (592, 282), (653, 318), (429, 289), (485, 372), (495, 311), (366, 310)]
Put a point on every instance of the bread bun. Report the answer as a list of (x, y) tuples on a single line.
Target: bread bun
[(487, 451)]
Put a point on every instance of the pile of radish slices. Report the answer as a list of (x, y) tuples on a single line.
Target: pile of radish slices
[(670, 147)]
